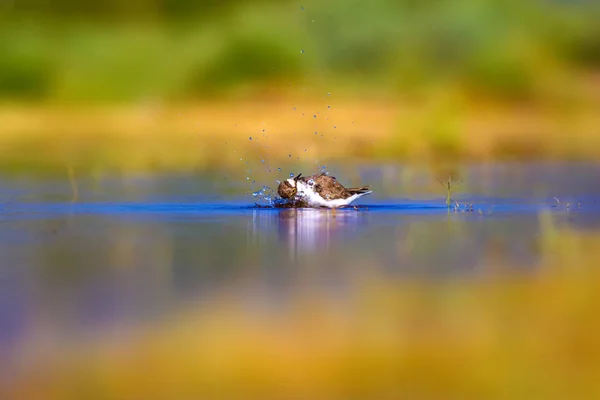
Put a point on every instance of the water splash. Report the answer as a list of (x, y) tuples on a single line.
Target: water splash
[(264, 194)]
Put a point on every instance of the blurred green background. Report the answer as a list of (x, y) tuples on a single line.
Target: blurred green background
[(399, 80), (117, 51)]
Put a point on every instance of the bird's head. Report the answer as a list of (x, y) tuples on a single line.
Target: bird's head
[(288, 188)]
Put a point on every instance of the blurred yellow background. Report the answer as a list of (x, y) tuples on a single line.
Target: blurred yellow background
[(498, 335)]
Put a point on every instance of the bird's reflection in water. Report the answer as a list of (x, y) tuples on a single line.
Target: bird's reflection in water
[(310, 230)]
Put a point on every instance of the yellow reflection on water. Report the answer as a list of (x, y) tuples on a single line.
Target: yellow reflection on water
[(498, 335)]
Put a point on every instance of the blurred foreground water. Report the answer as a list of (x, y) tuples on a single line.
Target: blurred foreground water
[(95, 278)]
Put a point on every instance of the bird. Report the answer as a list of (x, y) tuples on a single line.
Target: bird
[(320, 190)]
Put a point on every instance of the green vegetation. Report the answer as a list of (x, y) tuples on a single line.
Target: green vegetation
[(88, 85), (123, 51), (448, 187)]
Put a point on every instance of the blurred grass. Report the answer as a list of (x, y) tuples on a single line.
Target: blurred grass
[(454, 79), (503, 334), (125, 53), (215, 135)]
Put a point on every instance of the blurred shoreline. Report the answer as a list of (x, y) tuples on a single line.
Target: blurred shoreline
[(155, 137)]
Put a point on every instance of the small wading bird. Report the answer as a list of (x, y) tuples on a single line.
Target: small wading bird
[(319, 191)]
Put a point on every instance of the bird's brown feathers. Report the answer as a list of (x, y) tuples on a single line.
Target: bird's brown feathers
[(330, 189)]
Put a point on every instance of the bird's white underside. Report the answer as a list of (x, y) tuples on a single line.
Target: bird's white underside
[(313, 199)]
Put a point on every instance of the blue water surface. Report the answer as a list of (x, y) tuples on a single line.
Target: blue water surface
[(121, 251)]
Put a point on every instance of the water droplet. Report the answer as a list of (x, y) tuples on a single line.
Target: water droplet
[(240, 158), (250, 137), (278, 169), (294, 108), (289, 155), (315, 116), (253, 181), (305, 150), (291, 174), (247, 178), (301, 51), (263, 130), (328, 106), (302, 8), (328, 94), (262, 161), (316, 133), (334, 127)]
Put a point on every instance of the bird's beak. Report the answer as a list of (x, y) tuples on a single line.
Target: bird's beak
[(298, 176)]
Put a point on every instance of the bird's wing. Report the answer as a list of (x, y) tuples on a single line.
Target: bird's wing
[(329, 188), (359, 190)]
